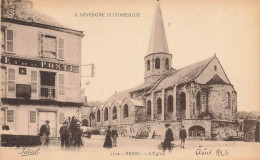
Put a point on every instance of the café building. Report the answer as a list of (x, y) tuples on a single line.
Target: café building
[(40, 70)]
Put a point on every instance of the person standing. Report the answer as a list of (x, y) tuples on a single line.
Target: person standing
[(45, 132), (114, 137), (183, 136), (168, 138), (257, 130), (108, 142), (64, 135), (77, 137)]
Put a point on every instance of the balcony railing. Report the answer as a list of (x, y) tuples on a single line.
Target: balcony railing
[(47, 92)]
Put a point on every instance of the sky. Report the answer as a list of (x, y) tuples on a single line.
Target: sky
[(195, 30)]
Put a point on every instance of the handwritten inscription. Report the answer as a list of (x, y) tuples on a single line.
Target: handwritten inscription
[(206, 151)]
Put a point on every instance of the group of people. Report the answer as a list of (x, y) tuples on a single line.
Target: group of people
[(111, 138), (169, 138), (70, 133)]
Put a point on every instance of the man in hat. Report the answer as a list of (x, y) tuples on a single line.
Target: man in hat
[(45, 132), (64, 135), (114, 137), (77, 136), (168, 138), (183, 136)]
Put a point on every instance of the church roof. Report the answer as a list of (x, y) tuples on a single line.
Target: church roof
[(184, 75), (158, 42), (136, 102), (120, 96)]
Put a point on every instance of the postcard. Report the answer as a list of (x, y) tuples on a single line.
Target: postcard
[(146, 79)]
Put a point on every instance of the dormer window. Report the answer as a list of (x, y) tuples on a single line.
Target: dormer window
[(157, 63)]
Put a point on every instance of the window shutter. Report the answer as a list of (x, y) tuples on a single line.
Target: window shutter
[(60, 48), (10, 115), (61, 118), (11, 80), (61, 84), (34, 81), (40, 44), (32, 116), (10, 41)]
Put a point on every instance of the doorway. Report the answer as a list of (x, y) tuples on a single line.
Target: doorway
[(50, 116)]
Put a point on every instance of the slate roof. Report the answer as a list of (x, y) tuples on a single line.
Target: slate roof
[(29, 15), (184, 75)]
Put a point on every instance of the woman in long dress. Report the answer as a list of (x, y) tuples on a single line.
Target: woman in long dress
[(108, 141)]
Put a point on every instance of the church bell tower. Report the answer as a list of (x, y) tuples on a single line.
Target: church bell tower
[(158, 60)]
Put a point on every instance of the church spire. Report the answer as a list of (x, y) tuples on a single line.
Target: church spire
[(158, 42)]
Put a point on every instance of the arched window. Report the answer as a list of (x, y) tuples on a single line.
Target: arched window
[(229, 100), (157, 63), (106, 114), (198, 99), (125, 111), (114, 112), (167, 63), (159, 105), (149, 108), (197, 131), (85, 122), (148, 65), (98, 116), (170, 103), (183, 101)]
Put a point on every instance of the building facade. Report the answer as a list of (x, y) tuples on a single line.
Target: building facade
[(40, 70), (200, 97)]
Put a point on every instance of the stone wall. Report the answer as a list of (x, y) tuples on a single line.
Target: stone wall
[(221, 130), (218, 102)]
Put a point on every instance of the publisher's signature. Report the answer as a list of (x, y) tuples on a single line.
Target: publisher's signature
[(29, 151)]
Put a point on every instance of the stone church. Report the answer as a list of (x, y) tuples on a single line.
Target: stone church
[(199, 96)]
